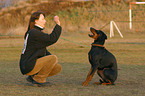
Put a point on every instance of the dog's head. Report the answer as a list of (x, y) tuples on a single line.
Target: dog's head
[(97, 35)]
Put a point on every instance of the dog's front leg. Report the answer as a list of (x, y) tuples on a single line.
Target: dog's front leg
[(89, 78)]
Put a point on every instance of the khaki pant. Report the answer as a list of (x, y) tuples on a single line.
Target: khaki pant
[(45, 67)]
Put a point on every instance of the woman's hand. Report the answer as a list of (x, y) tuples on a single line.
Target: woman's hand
[(56, 20)]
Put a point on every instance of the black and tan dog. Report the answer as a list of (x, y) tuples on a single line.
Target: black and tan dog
[(101, 60)]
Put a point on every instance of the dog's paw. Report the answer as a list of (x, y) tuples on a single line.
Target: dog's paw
[(97, 83)]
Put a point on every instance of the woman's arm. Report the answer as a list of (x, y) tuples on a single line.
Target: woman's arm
[(47, 39)]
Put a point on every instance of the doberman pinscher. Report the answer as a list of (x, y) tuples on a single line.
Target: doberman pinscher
[(101, 60)]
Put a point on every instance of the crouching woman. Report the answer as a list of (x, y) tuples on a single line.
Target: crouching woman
[(36, 61)]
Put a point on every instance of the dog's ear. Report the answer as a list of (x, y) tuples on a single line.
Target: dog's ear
[(92, 29)]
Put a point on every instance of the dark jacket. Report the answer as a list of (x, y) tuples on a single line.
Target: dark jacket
[(35, 46)]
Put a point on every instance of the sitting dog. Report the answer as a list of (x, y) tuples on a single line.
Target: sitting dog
[(101, 60)]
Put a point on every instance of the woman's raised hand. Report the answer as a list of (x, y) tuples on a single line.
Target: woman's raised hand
[(56, 20)]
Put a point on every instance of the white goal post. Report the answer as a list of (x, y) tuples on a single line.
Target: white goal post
[(111, 29), (130, 17)]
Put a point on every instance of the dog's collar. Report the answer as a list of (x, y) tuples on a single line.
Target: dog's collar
[(97, 45)]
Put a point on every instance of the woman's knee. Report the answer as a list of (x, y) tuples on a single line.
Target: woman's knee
[(52, 59)]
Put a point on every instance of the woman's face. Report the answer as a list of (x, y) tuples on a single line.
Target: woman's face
[(41, 21)]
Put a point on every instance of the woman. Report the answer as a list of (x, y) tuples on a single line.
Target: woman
[(36, 61)]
